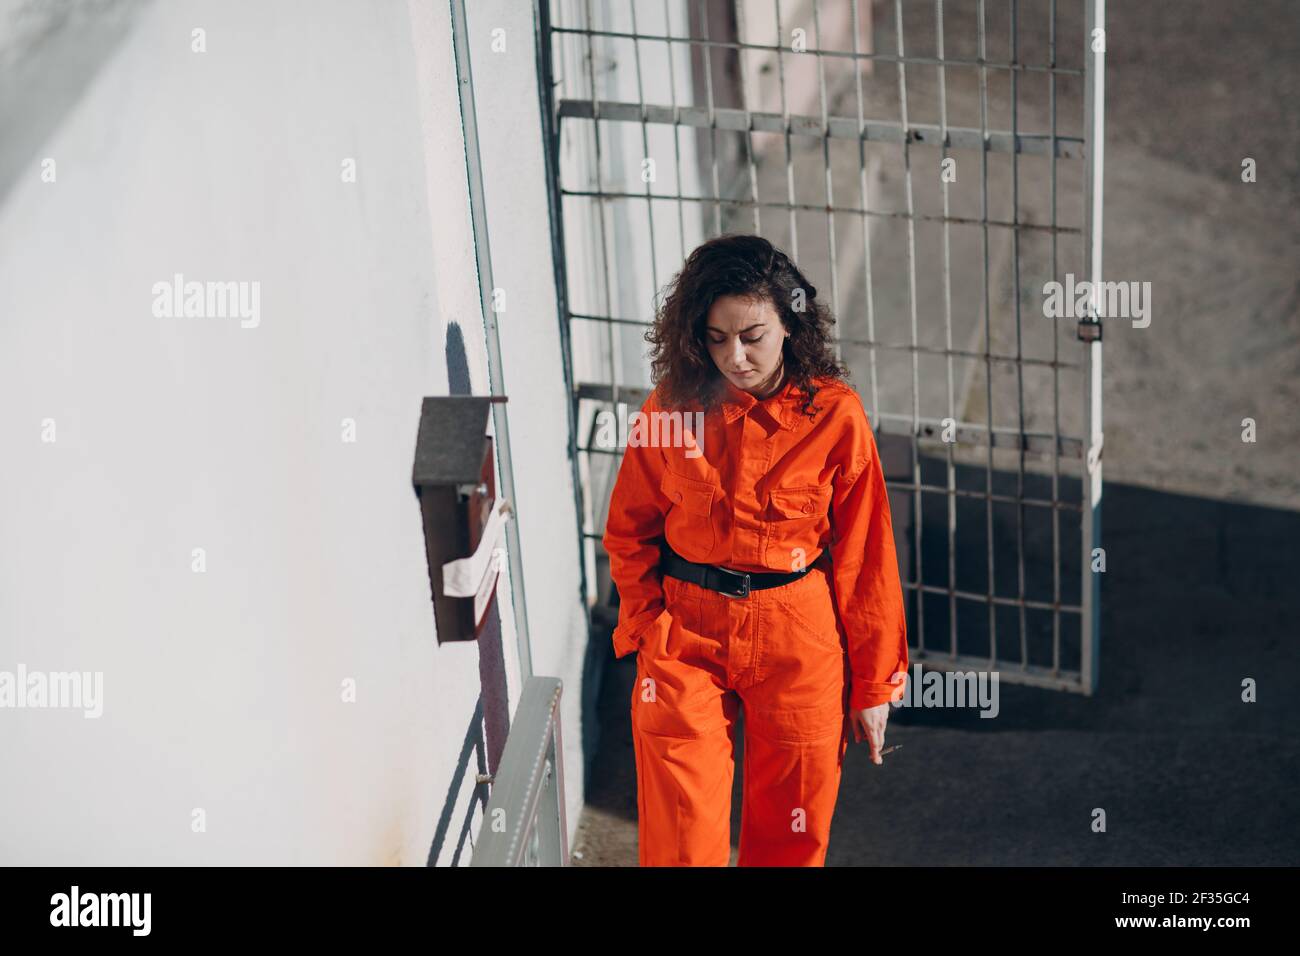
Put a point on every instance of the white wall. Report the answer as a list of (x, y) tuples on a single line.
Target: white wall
[(222, 689)]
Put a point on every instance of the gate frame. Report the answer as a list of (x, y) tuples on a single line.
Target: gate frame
[(1089, 448)]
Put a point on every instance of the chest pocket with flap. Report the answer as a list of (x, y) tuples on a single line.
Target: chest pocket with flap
[(810, 501), (689, 522), (798, 519)]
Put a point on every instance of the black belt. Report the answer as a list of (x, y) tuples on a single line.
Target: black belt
[(717, 578)]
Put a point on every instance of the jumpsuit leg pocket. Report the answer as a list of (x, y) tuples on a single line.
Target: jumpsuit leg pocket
[(675, 693), (684, 604), (810, 609)]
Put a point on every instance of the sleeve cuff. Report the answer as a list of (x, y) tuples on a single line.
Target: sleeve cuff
[(630, 635), (865, 693)]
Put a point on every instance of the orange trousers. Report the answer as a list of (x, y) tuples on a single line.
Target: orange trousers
[(779, 653)]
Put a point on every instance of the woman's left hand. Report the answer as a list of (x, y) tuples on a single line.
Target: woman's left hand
[(870, 722)]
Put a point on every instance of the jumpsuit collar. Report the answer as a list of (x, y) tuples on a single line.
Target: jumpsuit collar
[(783, 404)]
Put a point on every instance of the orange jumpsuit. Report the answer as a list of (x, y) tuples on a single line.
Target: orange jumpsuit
[(766, 489)]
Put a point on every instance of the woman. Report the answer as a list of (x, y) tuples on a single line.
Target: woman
[(754, 561)]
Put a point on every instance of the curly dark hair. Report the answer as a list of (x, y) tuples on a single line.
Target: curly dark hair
[(750, 267)]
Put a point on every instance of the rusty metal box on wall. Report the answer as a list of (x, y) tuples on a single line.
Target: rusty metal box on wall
[(455, 482)]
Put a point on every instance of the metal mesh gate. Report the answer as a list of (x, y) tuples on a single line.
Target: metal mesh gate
[(930, 165)]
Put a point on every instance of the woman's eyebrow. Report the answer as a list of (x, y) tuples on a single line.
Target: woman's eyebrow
[(756, 325)]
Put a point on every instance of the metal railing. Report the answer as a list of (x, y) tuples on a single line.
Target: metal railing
[(523, 822)]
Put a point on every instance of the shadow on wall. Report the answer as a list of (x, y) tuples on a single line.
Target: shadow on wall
[(50, 52)]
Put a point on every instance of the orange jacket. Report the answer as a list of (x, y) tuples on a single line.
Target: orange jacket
[(767, 488)]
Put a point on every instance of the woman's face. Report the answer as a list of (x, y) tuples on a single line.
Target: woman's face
[(745, 338)]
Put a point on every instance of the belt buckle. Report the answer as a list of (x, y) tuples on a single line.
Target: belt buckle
[(742, 576)]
